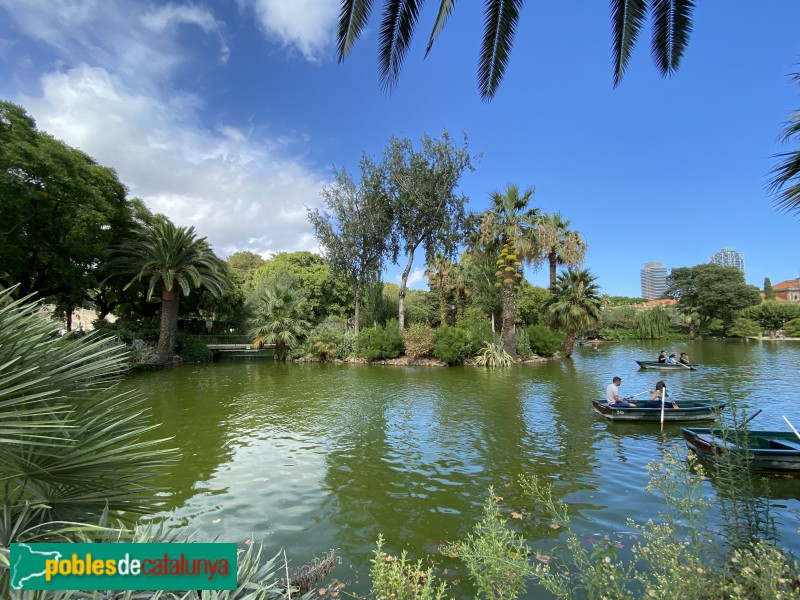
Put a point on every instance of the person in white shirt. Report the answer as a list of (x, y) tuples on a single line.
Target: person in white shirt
[(612, 395)]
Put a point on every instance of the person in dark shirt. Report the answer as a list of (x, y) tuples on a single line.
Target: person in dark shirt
[(662, 358)]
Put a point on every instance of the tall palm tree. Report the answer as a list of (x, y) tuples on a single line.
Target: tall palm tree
[(507, 226), (438, 273), (557, 244), (785, 181), (280, 319), (460, 286), (574, 305), (671, 26), (173, 260)]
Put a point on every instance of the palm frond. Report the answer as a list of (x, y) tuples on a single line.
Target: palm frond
[(672, 25), (626, 22), (785, 182), (445, 8), (353, 18), (396, 30), (500, 23)]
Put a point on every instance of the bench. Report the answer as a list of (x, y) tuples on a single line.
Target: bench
[(713, 440), (784, 445)]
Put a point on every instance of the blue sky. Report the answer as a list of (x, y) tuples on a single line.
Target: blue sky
[(229, 116)]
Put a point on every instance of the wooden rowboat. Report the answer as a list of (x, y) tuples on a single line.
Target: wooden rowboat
[(775, 451), (689, 410), (654, 364)]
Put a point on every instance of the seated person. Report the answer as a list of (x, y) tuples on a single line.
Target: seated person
[(655, 399), (683, 358), (662, 358), (612, 395), (671, 360)]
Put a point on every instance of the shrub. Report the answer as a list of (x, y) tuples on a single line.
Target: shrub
[(419, 340), (523, 345), (543, 340), (493, 355), (742, 327), (325, 342), (453, 345), (192, 350), (380, 342)]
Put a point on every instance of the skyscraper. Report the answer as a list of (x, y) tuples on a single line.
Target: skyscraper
[(729, 258), (654, 280)]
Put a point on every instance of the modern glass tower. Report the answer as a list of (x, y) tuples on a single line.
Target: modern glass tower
[(654, 280), (729, 258)]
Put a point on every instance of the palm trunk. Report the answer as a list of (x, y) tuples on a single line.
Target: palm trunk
[(691, 328), (357, 324), (170, 305), (569, 344), (509, 334), (553, 258), (443, 308), (401, 311)]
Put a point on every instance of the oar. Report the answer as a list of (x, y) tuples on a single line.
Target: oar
[(792, 426), (634, 396), (663, 398), (753, 416)]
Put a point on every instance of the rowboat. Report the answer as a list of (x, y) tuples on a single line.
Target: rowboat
[(689, 410), (654, 364), (768, 450)]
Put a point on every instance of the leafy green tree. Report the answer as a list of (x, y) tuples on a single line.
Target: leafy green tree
[(785, 181), (557, 244), (173, 260), (769, 291), (60, 212), (771, 314), (280, 319), (671, 26), (354, 229), (574, 305), (712, 291), (419, 190), (742, 327), (530, 300), (479, 270), (459, 287), (438, 273), (652, 323), (509, 223), (243, 265)]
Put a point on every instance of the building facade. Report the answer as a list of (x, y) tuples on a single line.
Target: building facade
[(787, 291), (654, 280), (727, 257)]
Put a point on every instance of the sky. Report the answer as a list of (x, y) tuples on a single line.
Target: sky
[(229, 116)]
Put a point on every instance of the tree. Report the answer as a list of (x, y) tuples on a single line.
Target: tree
[(712, 291), (175, 261), (785, 181), (243, 265), (671, 26), (574, 305), (280, 319), (439, 273), (508, 225), (420, 193), (60, 212), (530, 300), (769, 291), (354, 229), (771, 314), (557, 244), (460, 287)]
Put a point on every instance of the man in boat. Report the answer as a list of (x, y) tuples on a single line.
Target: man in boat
[(612, 395), (662, 358), (683, 358)]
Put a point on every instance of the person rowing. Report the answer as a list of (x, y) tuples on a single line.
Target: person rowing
[(659, 393), (684, 359), (612, 395)]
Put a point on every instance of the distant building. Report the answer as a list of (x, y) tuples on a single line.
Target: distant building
[(729, 258), (787, 291), (654, 280)]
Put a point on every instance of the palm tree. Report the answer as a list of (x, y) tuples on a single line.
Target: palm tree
[(74, 448), (671, 26), (574, 305), (460, 286), (557, 244), (175, 260), (785, 182), (280, 319), (438, 273), (507, 227)]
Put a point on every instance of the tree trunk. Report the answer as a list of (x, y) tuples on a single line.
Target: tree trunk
[(509, 334), (401, 311), (444, 309), (569, 344), (357, 324), (691, 328), (170, 304), (553, 258)]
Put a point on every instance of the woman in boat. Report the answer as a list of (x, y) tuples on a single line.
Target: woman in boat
[(655, 399), (671, 360)]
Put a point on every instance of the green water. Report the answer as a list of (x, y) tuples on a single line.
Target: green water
[(318, 456)]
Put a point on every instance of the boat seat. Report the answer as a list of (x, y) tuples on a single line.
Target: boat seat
[(784, 445), (715, 441)]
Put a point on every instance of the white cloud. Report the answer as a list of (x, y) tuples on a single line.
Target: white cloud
[(307, 25), (416, 279), (239, 191), (166, 17)]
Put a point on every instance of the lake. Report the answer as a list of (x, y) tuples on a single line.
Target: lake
[(310, 457)]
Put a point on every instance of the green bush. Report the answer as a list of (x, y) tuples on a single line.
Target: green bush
[(543, 340), (743, 327), (792, 328), (326, 341), (419, 340), (453, 345), (129, 328), (192, 350), (523, 345), (380, 342)]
